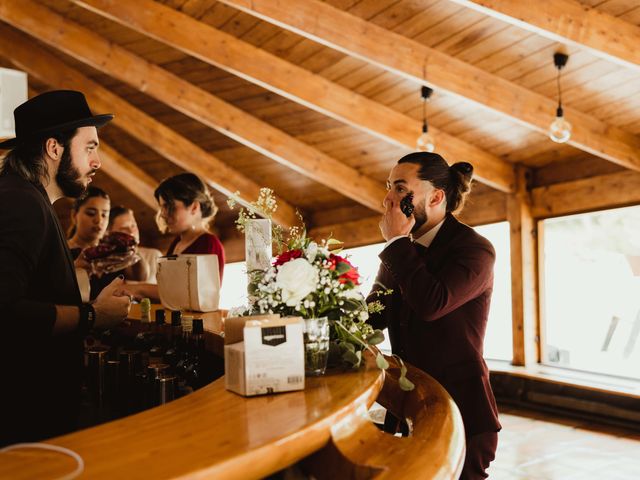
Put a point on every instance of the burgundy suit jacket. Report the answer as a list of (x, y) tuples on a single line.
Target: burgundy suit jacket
[(437, 314)]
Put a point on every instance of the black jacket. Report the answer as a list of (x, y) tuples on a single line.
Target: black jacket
[(40, 373)]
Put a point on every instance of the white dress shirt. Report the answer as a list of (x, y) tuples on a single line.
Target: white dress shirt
[(425, 240)]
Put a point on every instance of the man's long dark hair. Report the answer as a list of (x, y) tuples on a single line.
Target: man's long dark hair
[(27, 158), (454, 180)]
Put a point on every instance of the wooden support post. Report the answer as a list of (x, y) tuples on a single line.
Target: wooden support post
[(524, 279)]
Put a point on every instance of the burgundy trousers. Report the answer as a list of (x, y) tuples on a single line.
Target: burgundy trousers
[(481, 450)]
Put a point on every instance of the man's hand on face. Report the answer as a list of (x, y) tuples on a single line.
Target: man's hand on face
[(394, 223)]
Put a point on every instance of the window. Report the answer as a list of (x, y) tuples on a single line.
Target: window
[(234, 286), (590, 286), (498, 340)]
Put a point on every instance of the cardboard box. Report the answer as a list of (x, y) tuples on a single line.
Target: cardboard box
[(263, 354)]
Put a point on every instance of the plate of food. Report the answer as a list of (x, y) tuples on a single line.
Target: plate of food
[(115, 251)]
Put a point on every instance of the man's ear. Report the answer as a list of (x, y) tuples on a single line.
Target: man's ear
[(437, 197), (53, 148)]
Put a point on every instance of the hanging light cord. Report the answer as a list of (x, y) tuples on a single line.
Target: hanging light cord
[(45, 446), (559, 88), (424, 114)]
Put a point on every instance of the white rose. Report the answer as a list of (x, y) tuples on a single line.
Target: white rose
[(296, 279)]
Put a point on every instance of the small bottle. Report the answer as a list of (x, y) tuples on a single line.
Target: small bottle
[(171, 354), (145, 310), (160, 320), (196, 365), (184, 346), (159, 344)]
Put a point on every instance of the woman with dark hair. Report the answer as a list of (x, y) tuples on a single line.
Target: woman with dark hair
[(89, 220), (187, 210), (441, 274)]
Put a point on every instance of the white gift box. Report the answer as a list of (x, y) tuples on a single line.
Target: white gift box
[(263, 354)]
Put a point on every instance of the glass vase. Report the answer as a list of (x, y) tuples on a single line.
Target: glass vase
[(316, 345)]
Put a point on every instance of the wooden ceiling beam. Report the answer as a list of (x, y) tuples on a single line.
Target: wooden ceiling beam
[(227, 52), (572, 22), (52, 71), (340, 30), (117, 62), (621, 189), (128, 174)]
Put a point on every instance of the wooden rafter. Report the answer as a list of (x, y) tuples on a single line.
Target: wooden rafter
[(587, 194), (350, 34), (195, 102), (295, 83), (570, 21), (177, 149), (129, 175)]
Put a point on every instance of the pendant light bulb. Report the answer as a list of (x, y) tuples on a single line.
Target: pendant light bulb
[(560, 129), (425, 141)]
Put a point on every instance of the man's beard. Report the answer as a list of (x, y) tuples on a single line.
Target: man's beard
[(420, 215), (68, 177)]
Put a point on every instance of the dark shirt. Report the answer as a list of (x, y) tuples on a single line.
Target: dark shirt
[(205, 243), (40, 372), (437, 314)]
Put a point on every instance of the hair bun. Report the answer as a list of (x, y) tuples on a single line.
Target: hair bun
[(463, 167)]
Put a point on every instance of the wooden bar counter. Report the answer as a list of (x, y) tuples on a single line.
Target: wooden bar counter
[(213, 433)]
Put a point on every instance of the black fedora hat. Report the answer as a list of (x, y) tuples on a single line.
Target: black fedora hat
[(52, 112)]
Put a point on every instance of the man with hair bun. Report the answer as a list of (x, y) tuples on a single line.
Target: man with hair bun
[(441, 274)]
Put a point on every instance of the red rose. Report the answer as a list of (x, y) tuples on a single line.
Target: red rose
[(348, 273), (287, 256)]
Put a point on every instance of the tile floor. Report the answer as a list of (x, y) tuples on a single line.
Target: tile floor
[(536, 446)]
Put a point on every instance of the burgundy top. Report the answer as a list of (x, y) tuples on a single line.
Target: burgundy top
[(205, 243)]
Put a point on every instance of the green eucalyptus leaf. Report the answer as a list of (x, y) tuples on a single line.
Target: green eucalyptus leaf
[(375, 338), (381, 362), (406, 384), (347, 346), (351, 358)]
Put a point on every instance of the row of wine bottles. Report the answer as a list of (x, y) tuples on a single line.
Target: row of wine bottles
[(148, 364)]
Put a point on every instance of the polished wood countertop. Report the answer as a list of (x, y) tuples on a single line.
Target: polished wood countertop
[(214, 433)]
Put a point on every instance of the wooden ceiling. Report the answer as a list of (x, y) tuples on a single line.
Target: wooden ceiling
[(318, 100)]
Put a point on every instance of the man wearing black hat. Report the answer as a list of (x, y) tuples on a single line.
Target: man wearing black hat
[(42, 317)]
